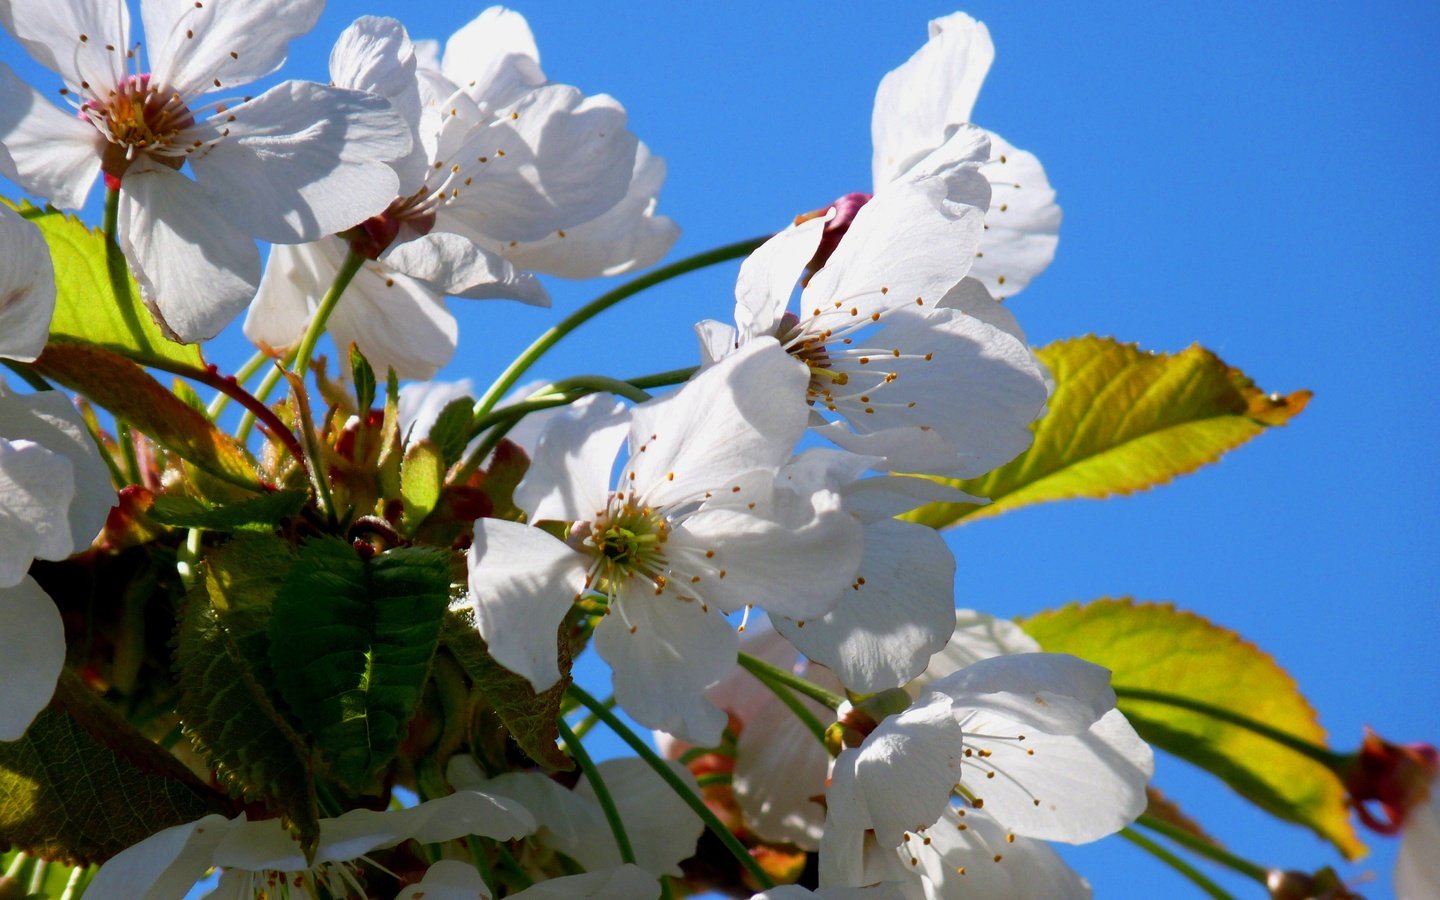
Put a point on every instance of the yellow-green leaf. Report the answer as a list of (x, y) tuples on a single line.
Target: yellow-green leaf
[(96, 300), (1123, 420), (422, 475), (1155, 649)]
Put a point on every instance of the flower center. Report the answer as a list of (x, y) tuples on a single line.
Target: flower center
[(137, 118), (628, 539)]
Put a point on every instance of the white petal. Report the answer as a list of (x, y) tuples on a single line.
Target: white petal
[(38, 486), (448, 879), (977, 636), (165, 865), (900, 778), (1417, 866), (745, 412), (887, 496), (568, 159), (196, 270), (934, 89), (27, 288), (661, 827), (888, 891), (563, 819), (621, 883), (48, 152), (626, 238), (49, 419), (769, 275), (1023, 225), (220, 45), (296, 277), (375, 54), (396, 321), (664, 654), (1056, 692), (302, 161), (70, 37), (972, 298), (717, 340), (494, 58), (909, 243), (792, 554), (569, 475), (1070, 788), (457, 266), (995, 862), (522, 582), (885, 629), (780, 771), (32, 653)]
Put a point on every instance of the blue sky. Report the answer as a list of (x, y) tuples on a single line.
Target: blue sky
[(1259, 178)]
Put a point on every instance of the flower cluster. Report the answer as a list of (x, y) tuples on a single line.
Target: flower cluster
[(366, 621)]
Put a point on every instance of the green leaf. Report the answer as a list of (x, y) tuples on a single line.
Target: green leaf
[(1154, 647), (422, 476), (1122, 420), (351, 641), (82, 784), (451, 431), (264, 511), (228, 712), (529, 716), (122, 387), (364, 377), (96, 300)]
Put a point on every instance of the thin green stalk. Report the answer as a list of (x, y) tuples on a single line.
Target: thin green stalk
[(583, 727), (559, 330), (1202, 847), (348, 270), (72, 885), (262, 393), (663, 379), (514, 871), (481, 859), (37, 877), (17, 865), (764, 670), (602, 791), (126, 439), (1176, 863), (242, 375), (28, 375), (595, 384), (112, 213), (792, 703), (328, 804), (682, 790), (1335, 762)]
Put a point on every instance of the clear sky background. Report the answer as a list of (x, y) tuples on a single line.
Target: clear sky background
[(1260, 178)]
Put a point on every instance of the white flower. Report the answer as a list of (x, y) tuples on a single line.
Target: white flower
[(662, 828), (32, 653), (899, 610), (502, 170), (55, 491), (916, 106), (1033, 740), (1417, 867), (451, 879), (692, 530), (887, 891), (297, 162), (27, 288), (905, 363), (259, 856)]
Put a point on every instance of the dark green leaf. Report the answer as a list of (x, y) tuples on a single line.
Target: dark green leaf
[(451, 431), (364, 377), (263, 511), (351, 641)]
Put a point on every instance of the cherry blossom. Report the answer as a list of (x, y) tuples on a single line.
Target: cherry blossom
[(27, 288), (293, 164), (451, 879)]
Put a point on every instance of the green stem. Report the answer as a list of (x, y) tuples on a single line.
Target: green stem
[(792, 703), (1176, 863), (663, 379), (125, 438), (348, 270), (1202, 847), (481, 859), (559, 330), (682, 790), (602, 792), (583, 727), (595, 384), (1335, 762), (764, 670), (112, 214), (262, 393)]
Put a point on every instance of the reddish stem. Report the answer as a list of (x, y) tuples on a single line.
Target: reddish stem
[(226, 384)]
